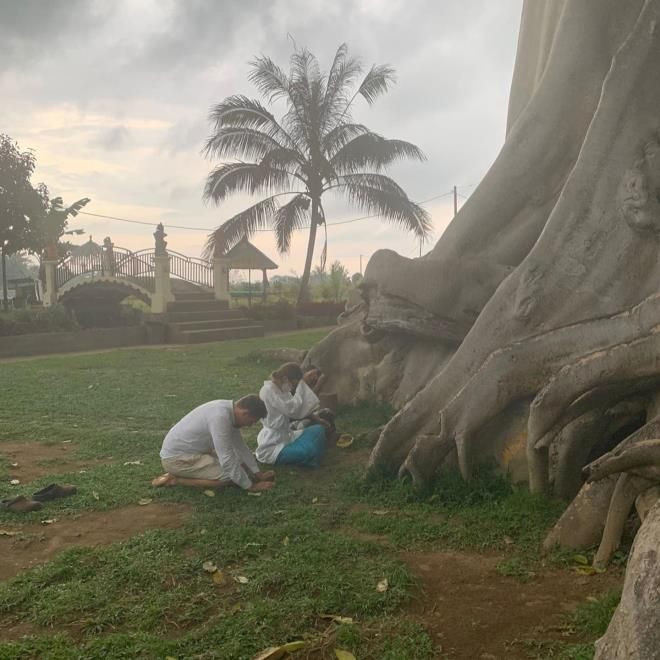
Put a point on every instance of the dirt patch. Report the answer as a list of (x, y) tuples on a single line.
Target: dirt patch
[(35, 543), (471, 611), (36, 459)]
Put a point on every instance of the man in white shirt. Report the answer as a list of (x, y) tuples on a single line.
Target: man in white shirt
[(205, 448)]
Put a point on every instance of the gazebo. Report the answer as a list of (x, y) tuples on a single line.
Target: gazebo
[(245, 256)]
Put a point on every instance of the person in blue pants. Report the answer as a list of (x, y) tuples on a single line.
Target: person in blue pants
[(291, 395)]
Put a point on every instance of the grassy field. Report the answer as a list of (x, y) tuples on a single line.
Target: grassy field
[(316, 547)]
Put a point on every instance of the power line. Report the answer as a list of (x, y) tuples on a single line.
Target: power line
[(209, 229)]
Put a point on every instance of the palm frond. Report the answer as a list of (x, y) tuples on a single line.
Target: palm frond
[(274, 84), (242, 142), (250, 178), (342, 73), (375, 193), (269, 79), (243, 224), (289, 218), (372, 151), (340, 135), (240, 111), (376, 82), (75, 208), (284, 158)]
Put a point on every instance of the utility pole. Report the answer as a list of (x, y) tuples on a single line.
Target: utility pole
[(5, 302), (455, 201)]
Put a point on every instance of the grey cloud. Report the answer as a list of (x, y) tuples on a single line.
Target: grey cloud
[(113, 139), (186, 135), (33, 29)]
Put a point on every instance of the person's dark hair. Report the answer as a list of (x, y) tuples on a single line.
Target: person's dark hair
[(288, 371), (254, 405)]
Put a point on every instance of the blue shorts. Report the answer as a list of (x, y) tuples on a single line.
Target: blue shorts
[(307, 450)]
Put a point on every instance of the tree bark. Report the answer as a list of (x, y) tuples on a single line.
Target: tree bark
[(303, 294)]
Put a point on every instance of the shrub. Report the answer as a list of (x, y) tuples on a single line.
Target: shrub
[(56, 318)]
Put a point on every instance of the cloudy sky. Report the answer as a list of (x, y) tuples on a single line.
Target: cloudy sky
[(113, 97)]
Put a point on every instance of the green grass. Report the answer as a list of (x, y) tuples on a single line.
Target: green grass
[(304, 547), (589, 620)]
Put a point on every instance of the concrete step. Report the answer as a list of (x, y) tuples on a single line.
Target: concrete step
[(220, 334), (204, 315), (209, 324), (195, 305)]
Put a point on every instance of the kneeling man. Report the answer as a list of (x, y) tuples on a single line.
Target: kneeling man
[(205, 449)]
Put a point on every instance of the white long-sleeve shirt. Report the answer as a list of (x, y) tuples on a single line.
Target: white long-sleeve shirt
[(282, 407), (210, 429)]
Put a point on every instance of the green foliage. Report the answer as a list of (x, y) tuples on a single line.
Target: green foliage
[(56, 318), (22, 206), (593, 617)]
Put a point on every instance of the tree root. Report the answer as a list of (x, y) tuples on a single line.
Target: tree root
[(623, 499), (583, 521)]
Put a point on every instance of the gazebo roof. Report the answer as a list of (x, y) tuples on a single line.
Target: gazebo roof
[(86, 249), (245, 256)]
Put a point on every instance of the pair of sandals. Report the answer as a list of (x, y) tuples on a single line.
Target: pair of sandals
[(23, 504)]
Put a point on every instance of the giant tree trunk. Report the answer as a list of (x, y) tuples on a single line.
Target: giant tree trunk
[(543, 266)]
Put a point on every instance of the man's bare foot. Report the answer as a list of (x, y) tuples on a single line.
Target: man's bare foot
[(166, 479), (269, 475), (260, 486)]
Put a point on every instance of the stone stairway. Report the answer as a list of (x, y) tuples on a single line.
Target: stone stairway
[(196, 317)]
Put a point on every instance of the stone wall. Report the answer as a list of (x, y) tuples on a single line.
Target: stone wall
[(79, 340)]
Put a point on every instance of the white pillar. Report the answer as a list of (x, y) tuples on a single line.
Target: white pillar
[(221, 278), (162, 286), (50, 294)]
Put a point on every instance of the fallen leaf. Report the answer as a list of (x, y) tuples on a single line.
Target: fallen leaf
[(171, 395), (82, 471), (507, 540), (15, 482), (48, 521), (144, 501), (219, 578), (209, 567), (202, 531), (580, 559), (276, 652), (95, 495), (209, 493), (592, 599), (343, 655), (380, 512), (241, 579), (254, 494), (383, 586), (285, 540), (345, 440), (133, 463), (337, 619), (90, 387), (588, 570), (14, 464), (315, 500), (66, 442)]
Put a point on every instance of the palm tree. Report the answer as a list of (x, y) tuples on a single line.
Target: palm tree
[(314, 149)]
